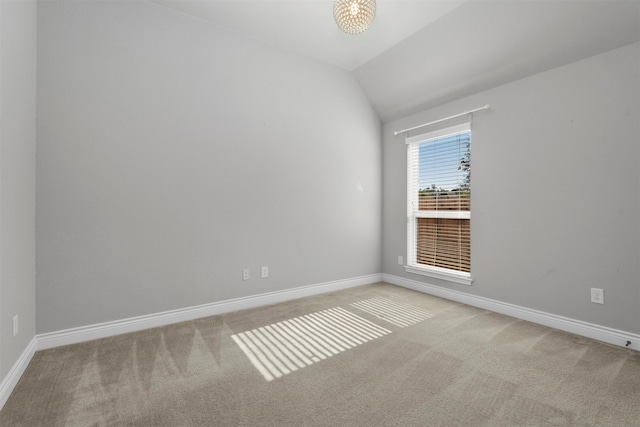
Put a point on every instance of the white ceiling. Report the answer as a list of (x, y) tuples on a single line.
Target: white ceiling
[(418, 54), (307, 27)]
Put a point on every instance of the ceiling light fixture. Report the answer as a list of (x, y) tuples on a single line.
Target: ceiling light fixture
[(354, 16)]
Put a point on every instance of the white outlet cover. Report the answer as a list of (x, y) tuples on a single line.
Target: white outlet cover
[(597, 296), (15, 325)]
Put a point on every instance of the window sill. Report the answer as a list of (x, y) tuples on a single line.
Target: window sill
[(441, 274)]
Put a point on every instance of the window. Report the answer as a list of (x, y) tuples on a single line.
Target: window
[(439, 204)]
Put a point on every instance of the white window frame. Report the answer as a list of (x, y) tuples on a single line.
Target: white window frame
[(413, 213)]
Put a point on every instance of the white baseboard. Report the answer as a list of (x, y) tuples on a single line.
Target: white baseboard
[(578, 327), (107, 329), (103, 330), (11, 379)]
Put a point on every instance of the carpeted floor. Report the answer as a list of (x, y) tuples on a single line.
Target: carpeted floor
[(375, 355)]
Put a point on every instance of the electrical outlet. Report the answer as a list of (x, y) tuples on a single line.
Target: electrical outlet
[(15, 325), (245, 274), (264, 272), (597, 296), (400, 260)]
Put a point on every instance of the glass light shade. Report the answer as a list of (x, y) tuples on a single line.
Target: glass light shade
[(354, 16)]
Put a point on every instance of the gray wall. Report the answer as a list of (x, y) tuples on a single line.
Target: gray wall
[(17, 177), (172, 153), (555, 191)]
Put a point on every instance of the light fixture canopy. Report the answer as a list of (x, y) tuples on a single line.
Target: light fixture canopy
[(354, 16)]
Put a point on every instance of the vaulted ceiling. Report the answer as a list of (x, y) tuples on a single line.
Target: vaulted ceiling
[(418, 54)]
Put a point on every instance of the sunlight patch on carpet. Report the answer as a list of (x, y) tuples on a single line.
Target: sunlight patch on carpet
[(399, 314), (287, 346)]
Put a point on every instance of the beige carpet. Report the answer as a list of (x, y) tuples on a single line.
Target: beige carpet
[(376, 355)]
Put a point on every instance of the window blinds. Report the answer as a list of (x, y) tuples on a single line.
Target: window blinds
[(439, 200)]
